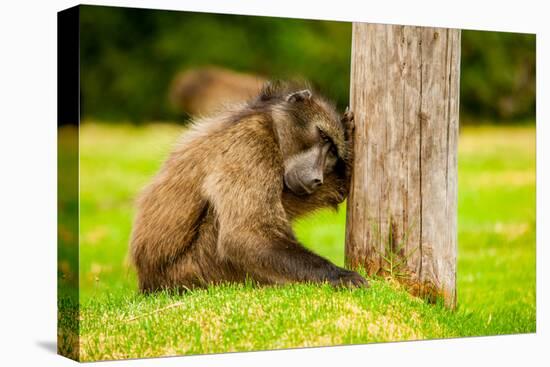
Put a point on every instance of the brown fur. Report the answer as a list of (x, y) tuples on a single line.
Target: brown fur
[(219, 210), (202, 91)]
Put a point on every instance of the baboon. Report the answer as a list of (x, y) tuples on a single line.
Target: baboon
[(220, 208), (201, 91)]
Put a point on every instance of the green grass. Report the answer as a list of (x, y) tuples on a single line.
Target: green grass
[(496, 264)]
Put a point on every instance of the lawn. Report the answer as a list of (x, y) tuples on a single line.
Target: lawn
[(496, 263)]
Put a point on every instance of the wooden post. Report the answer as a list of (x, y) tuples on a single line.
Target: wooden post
[(402, 208)]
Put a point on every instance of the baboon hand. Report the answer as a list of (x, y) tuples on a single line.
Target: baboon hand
[(349, 279), (348, 120)]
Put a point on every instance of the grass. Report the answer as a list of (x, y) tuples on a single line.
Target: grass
[(496, 264)]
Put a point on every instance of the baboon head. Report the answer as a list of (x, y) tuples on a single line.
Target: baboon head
[(311, 138)]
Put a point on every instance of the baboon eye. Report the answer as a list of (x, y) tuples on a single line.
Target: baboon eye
[(328, 140), (325, 137)]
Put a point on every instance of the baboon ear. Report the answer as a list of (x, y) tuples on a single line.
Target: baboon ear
[(299, 96)]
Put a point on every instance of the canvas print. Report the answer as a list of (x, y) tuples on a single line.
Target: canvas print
[(232, 183)]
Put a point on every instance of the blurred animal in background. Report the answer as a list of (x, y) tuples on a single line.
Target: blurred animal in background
[(202, 91)]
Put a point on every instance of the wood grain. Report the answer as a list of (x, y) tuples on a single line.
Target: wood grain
[(403, 199)]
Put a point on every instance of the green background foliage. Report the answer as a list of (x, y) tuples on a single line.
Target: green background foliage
[(129, 57)]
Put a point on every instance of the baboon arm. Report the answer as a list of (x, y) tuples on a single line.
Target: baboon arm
[(276, 259), (330, 194), (254, 232)]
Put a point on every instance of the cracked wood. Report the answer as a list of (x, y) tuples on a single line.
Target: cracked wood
[(403, 199)]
